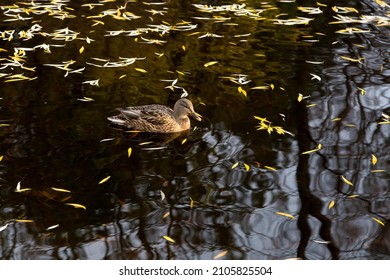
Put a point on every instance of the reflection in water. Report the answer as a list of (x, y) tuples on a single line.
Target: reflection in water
[(223, 185)]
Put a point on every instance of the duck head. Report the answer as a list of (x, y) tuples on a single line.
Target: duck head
[(183, 108)]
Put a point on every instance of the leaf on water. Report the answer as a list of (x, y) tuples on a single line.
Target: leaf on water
[(183, 47), (24, 221), (191, 203), (166, 215), (121, 77), (162, 195), (104, 180), (53, 227), (247, 167), (321, 242), (61, 190), (106, 140), (310, 151), (220, 255), (269, 168), (140, 70), (362, 91), (346, 181), (300, 97), (261, 87), (374, 160), (129, 150), (235, 165), (85, 99), (1, 158), (184, 141), (210, 63), (241, 90), (315, 77), (4, 124), (272, 86), (353, 196), (378, 221), (3, 227), (336, 119), (19, 188), (377, 170), (331, 204), (145, 143), (76, 205), (285, 215), (168, 239), (81, 50)]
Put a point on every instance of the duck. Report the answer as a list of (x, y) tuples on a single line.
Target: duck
[(156, 118)]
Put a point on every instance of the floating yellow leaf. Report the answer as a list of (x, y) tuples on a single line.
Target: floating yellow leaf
[(184, 140), (220, 255), (353, 196), (1, 158), (378, 221), (104, 180), (235, 165), (53, 227), (374, 160), (270, 168), (346, 181), (300, 97), (121, 77), (378, 170), (247, 167), (285, 215), (331, 204), (191, 203), (61, 190), (76, 205), (140, 70), (210, 63), (362, 91), (24, 221), (129, 150), (241, 90), (81, 50), (183, 47), (272, 86), (168, 239), (166, 215)]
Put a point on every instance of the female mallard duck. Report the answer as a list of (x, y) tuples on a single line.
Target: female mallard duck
[(157, 118)]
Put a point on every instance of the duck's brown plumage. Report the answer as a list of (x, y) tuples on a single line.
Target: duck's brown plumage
[(157, 118)]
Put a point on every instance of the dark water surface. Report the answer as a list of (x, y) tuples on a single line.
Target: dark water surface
[(66, 65)]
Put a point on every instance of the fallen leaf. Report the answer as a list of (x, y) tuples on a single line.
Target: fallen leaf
[(168, 239), (81, 50), (346, 181), (61, 190), (378, 221), (76, 205), (374, 160), (331, 204), (210, 63), (104, 180), (235, 165), (285, 215), (129, 150), (220, 255)]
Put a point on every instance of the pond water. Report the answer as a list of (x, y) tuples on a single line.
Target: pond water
[(308, 178)]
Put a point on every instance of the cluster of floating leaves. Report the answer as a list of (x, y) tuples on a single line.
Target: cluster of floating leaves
[(14, 63)]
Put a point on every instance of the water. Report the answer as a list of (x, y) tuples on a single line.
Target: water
[(229, 187)]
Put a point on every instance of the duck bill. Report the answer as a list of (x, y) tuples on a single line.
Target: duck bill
[(196, 116)]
